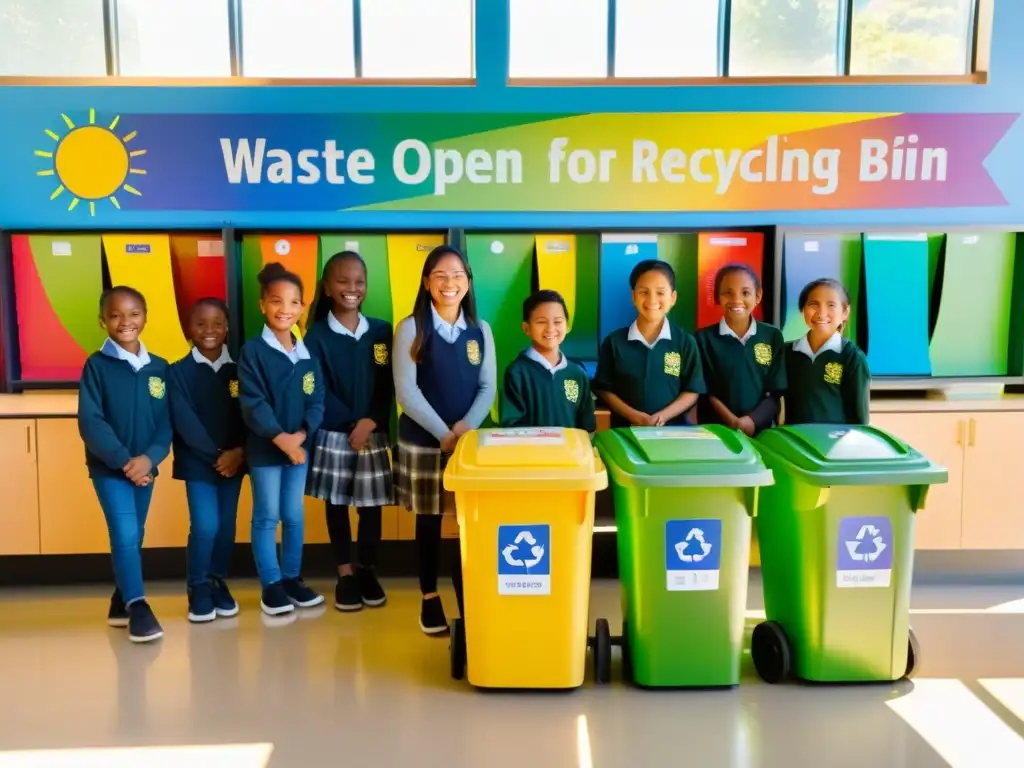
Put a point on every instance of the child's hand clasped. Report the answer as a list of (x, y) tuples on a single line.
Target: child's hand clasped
[(138, 469), (361, 433), (229, 462)]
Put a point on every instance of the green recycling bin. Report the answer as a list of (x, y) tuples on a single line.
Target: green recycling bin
[(837, 553), (684, 498)]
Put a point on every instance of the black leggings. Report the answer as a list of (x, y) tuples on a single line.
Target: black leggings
[(428, 546), (340, 531)]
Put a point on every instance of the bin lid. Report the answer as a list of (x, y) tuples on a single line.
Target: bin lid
[(525, 459), (702, 456), (846, 455)]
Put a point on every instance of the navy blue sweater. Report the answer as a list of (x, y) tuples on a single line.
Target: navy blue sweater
[(206, 416), (357, 374), (277, 396), (123, 414)]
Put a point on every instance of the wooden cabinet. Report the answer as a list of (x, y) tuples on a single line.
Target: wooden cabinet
[(940, 436), (19, 479), (70, 518), (994, 479), (980, 506), (50, 507)]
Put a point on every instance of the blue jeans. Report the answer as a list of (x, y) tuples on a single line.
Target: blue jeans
[(277, 494), (212, 509), (125, 507)]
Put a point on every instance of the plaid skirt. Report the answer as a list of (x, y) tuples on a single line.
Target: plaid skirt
[(419, 479), (340, 475)]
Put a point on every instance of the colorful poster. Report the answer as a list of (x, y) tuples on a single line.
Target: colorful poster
[(88, 162)]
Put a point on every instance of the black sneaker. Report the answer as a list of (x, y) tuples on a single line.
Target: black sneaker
[(223, 601), (300, 594), (142, 624), (370, 589), (274, 600), (346, 594), (117, 616), (200, 603), (432, 618)]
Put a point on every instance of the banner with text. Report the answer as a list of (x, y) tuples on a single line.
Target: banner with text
[(516, 162)]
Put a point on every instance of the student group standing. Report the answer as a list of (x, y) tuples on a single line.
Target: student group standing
[(311, 417)]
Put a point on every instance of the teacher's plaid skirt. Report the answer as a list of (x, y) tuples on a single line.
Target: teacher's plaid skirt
[(419, 485), (340, 475)]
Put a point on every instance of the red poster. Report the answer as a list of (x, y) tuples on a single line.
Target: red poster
[(714, 251)]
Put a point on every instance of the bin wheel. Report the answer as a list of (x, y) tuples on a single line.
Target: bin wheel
[(627, 661), (770, 651), (913, 654), (602, 652), (457, 649)]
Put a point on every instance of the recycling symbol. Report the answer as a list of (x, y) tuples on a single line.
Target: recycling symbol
[(695, 534), (536, 550), (866, 534)]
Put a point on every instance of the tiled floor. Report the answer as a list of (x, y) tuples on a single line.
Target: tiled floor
[(370, 690)]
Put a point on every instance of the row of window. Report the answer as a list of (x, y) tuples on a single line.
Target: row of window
[(433, 39)]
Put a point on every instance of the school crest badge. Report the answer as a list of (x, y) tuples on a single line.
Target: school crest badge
[(762, 354), (673, 363), (473, 351), (572, 390), (380, 354), (157, 388), (233, 387), (833, 373), (308, 383)]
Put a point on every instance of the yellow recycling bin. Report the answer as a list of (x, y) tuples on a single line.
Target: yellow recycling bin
[(525, 505)]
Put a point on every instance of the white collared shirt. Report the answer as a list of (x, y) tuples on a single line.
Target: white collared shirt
[(111, 348), (635, 335), (298, 351), (223, 359), (725, 330), (536, 356), (338, 327), (448, 331), (835, 344)]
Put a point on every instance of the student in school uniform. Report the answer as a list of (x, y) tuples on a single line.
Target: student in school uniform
[(543, 388), (125, 423), (649, 373), (350, 464), (743, 360), (282, 398), (209, 436), (445, 382), (828, 379)]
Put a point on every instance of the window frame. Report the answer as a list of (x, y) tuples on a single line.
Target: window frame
[(978, 55), (979, 35), (237, 57)]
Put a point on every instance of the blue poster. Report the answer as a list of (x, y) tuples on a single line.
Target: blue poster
[(524, 559), (693, 555), (865, 552)]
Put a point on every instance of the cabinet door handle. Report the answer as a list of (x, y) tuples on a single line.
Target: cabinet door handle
[(970, 433), (960, 432), (28, 439)]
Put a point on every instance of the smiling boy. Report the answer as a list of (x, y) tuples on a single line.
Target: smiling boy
[(650, 374), (543, 388)]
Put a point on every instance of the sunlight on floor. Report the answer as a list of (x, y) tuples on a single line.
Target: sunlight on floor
[(222, 756), (959, 726)]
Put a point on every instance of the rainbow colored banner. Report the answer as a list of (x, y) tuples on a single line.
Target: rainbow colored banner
[(516, 162)]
